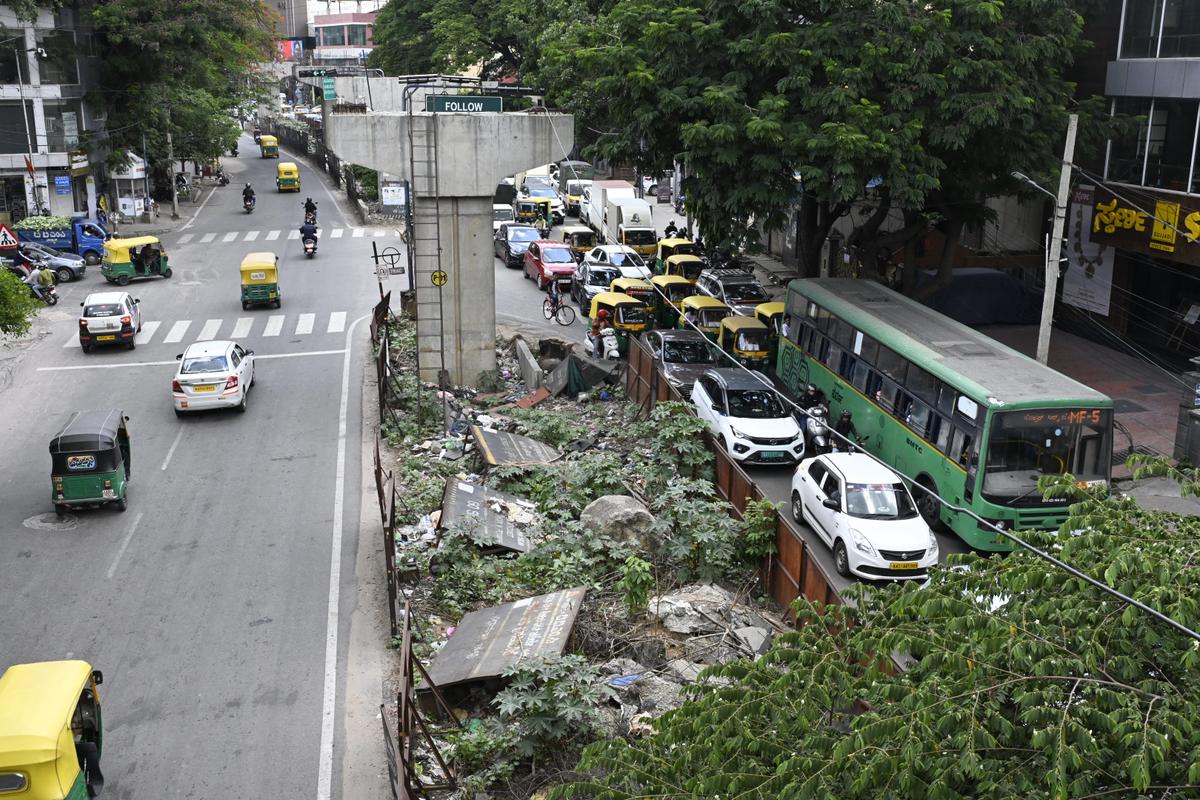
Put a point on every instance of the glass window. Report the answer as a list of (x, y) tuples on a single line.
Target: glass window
[(847, 366), (1129, 149), (8, 65), (945, 399), (59, 64), (356, 34), (917, 418), (870, 350), (755, 404), (891, 364), (841, 332), (832, 357), (204, 364), (817, 473), (333, 36), (967, 407), (1024, 445), (859, 375), (820, 347), (804, 339), (811, 310), (1180, 30), (941, 436), (1172, 137), (823, 318), (879, 501), (1140, 39), (921, 384), (886, 394), (1180, 24), (960, 447), (13, 138)]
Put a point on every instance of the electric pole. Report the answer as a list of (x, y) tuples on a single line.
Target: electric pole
[(1054, 252), (174, 186)]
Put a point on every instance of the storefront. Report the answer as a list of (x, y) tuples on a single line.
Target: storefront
[(130, 184)]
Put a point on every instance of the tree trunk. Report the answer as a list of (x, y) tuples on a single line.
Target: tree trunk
[(909, 281), (816, 219), (865, 237), (954, 229)]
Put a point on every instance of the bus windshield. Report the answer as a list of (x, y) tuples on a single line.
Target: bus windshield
[(1025, 445)]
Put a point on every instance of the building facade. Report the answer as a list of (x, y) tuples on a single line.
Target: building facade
[(343, 38)]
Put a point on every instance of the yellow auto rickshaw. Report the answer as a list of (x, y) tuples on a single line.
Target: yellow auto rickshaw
[(287, 176), (627, 315), (771, 315), (51, 732), (269, 146), (705, 313), (674, 246), (674, 288), (260, 280), (746, 339), (636, 288), (135, 257), (528, 211), (581, 238), (686, 266)]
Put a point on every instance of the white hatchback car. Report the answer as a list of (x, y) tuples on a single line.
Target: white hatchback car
[(213, 375), (619, 257), (865, 513), (747, 418), (109, 318)]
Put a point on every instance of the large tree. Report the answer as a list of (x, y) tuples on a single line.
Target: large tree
[(1022, 681)]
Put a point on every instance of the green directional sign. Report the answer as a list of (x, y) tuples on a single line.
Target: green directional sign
[(328, 88), (462, 103)]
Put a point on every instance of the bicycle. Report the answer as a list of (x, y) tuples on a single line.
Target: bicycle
[(558, 311)]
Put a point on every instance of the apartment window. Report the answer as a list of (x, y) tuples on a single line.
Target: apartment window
[(1172, 138), (356, 34), (12, 126), (1128, 154), (1178, 21), (1140, 39), (60, 64), (64, 124), (9, 54), (333, 36), (1180, 30)]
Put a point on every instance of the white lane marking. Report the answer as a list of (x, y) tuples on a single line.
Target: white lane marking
[(251, 236), (379, 234), (148, 330), (209, 331), (208, 237), (271, 236), (174, 362), (242, 328), (188, 224), (293, 234), (274, 325), (177, 332), (112, 568), (229, 237), (304, 324), (171, 452), (337, 322), (359, 233), (72, 341), (329, 700), (187, 237), (336, 233)]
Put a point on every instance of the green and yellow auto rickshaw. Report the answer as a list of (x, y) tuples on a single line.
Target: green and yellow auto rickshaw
[(269, 146), (528, 211), (686, 266), (287, 176), (260, 280), (746, 340), (90, 461), (636, 288), (627, 315), (674, 288), (771, 315), (581, 238), (674, 246), (135, 257), (51, 731), (705, 313)]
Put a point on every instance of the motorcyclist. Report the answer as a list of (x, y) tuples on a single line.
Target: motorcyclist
[(308, 231), (599, 324), (248, 195), (811, 398), (845, 428), (671, 229), (310, 207)]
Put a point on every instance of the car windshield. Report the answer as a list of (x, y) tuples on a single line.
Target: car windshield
[(522, 234), (754, 404), (602, 277), (557, 255), (879, 501), (711, 317), (194, 364), (639, 238), (1025, 445), (619, 258), (745, 293), (502, 214), (102, 310), (574, 188), (687, 353), (542, 191)]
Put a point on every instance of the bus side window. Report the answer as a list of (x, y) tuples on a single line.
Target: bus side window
[(885, 395), (832, 357), (847, 367), (805, 340), (945, 400), (918, 418), (942, 434), (795, 329), (860, 375), (820, 347), (960, 450)]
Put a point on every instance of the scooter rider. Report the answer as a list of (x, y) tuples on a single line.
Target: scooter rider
[(248, 195), (845, 427), (599, 324), (811, 398), (308, 231), (310, 208)]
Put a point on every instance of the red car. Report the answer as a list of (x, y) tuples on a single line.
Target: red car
[(546, 259)]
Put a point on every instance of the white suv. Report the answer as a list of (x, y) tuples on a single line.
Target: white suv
[(746, 416), (866, 515), (109, 318)]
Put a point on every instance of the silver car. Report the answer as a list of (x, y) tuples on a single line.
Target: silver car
[(66, 266), (682, 356)]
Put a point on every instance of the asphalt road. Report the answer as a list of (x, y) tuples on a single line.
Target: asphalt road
[(208, 603), (518, 306)]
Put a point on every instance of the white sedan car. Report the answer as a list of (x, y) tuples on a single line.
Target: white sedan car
[(865, 513), (620, 257), (213, 375)]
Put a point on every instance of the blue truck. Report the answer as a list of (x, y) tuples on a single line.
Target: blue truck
[(82, 236)]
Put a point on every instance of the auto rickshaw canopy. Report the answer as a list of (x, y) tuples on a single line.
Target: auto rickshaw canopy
[(675, 246), (768, 313), (287, 169), (90, 432), (709, 310), (260, 268), (634, 287), (676, 287), (117, 250), (744, 333), (37, 702), (267, 140), (688, 266), (627, 312)]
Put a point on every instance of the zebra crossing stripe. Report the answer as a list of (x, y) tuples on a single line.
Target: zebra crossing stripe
[(337, 322), (378, 234), (293, 235), (336, 233), (251, 236), (359, 233), (304, 324), (274, 325), (209, 331), (187, 237), (177, 332), (229, 237), (148, 330), (241, 328), (271, 236), (208, 237)]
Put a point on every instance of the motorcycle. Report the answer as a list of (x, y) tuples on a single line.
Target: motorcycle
[(816, 428), (222, 178), (248, 204), (310, 217), (857, 447), (233, 151), (310, 246), (679, 204), (608, 344), (49, 295)]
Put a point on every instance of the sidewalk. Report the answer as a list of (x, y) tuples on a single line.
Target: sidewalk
[(163, 224)]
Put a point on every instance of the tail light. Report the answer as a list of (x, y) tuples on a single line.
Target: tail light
[(83, 323), (231, 383), (126, 320), (175, 387)]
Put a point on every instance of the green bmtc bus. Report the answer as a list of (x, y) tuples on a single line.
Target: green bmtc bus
[(962, 414)]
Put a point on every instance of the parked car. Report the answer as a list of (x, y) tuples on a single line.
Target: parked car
[(216, 374), (500, 215), (682, 356), (866, 515), (735, 288), (66, 266), (623, 258), (109, 318), (590, 280), (512, 240), (746, 417), (546, 259)]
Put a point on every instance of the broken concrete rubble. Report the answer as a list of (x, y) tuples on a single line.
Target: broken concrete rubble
[(636, 686), (699, 608)]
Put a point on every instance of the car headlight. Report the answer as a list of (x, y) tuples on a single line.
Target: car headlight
[(737, 434), (933, 545), (862, 545)]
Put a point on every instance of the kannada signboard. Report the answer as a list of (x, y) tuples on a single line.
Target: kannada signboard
[(329, 88), (1154, 223), (496, 515), (462, 104), (511, 449)]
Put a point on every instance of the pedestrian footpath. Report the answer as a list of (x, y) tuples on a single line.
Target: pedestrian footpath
[(240, 329), (230, 237)]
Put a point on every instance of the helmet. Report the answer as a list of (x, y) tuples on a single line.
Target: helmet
[(247, 186), (812, 388), (603, 314), (845, 415)]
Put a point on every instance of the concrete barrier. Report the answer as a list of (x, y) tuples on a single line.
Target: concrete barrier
[(531, 371)]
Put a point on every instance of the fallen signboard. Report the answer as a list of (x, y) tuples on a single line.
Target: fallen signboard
[(500, 516), (511, 449)]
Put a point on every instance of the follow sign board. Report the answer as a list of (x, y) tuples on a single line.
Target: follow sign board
[(462, 104)]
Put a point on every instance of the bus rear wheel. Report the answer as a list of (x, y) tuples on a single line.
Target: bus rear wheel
[(928, 505)]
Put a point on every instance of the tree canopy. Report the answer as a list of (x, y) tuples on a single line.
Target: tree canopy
[(1022, 681)]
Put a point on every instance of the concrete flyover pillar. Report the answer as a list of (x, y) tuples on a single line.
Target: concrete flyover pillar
[(453, 163)]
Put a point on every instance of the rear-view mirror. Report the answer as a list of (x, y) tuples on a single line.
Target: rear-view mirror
[(178, 356), (832, 503), (97, 677)]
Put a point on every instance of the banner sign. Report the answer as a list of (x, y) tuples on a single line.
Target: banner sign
[(1156, 224), (1087, 283)]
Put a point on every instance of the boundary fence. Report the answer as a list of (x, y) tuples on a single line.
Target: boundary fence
[(309, 145)]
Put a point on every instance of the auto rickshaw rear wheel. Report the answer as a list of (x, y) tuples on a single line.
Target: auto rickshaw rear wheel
[(166, 273), (122, 280), (122, 504)]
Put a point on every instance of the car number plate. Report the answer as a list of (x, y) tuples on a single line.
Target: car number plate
[(105, 338), (770, 455), (204, 388), (109, 494), (903, 565)]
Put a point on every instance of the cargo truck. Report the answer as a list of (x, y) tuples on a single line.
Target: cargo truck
[(628, 221), (81, 236), (599, 196)]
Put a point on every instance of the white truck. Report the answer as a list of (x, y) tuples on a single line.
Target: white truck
[(629, 222), (602, 192)]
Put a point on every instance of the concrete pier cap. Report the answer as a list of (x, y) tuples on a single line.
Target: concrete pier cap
[(452, 212)]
